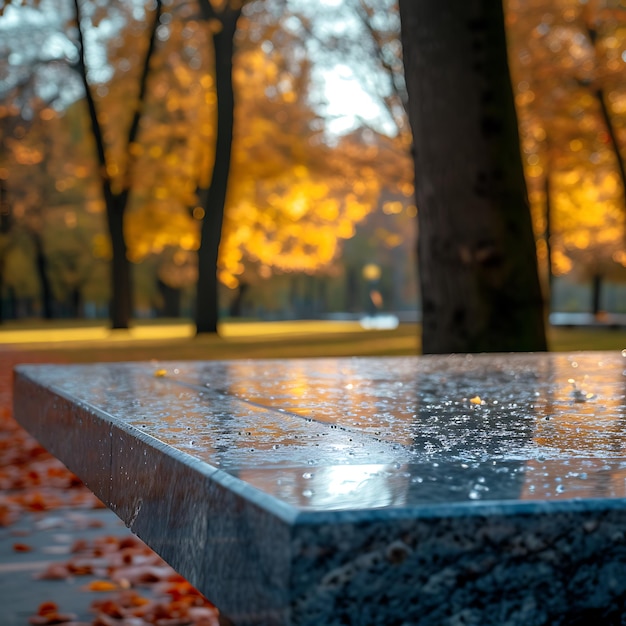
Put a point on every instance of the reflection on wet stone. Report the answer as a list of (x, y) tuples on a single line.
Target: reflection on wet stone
[(348, 481)]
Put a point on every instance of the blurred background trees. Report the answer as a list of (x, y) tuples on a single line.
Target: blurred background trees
[(318, 182)]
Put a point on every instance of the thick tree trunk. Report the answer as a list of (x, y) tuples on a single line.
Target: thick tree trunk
[(214, 198), (480, 287), (120, 307)]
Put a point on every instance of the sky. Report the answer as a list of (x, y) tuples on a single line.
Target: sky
[(348, 104)]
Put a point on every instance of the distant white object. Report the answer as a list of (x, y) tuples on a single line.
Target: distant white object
[(379, 322)]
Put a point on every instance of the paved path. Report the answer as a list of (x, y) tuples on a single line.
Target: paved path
[(49, 536)]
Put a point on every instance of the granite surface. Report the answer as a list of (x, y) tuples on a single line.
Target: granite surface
[(426, 490)]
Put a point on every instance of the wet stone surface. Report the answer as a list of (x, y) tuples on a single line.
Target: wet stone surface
[(379, 487)]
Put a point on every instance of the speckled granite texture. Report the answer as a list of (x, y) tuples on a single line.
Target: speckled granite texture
[(367, 491)]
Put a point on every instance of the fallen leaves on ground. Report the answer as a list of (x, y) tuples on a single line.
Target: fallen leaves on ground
[(48, 614), (31, 479), (146, 591), (128, 565)]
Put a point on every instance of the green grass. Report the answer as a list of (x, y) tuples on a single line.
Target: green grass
[(573, 339), (374, 343), (403, 340)]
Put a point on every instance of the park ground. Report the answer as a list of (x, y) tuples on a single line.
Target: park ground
[(66, 560)]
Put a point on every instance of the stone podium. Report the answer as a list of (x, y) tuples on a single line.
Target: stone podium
[(444, 490)]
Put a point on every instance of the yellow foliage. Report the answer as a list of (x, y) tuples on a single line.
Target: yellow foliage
[(101, 247), (292, 198)]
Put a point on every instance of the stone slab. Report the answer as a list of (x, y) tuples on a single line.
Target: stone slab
[(483, 489)]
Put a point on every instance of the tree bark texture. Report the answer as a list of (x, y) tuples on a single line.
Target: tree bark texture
[(479, 282), (214, 198)]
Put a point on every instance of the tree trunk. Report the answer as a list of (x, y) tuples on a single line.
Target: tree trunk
[(76, 302), (11, 304), (120, 307), (598, 94), (479, 283), (40, 265), (352, 290), (236, 306), (214, 198), (548, 234), (170, 297), (6, 223), (613, 139)]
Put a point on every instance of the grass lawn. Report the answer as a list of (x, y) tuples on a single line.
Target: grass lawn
[(169, 341)]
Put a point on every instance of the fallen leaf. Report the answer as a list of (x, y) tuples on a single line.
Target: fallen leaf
[(54, 571), (100, 585), (48, 614)]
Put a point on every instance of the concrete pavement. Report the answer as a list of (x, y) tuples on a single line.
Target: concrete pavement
[(49, 536)]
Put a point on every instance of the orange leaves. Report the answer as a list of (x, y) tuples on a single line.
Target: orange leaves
[(69, 569), (566, 81), (48, 614), (124, 565), (30, 478), (100, 585), (8, 514)]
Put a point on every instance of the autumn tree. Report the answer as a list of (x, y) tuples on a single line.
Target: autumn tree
[(37, 86), (116, 181), (568, 70), (477, 260), (297, 191), (289, 206)]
